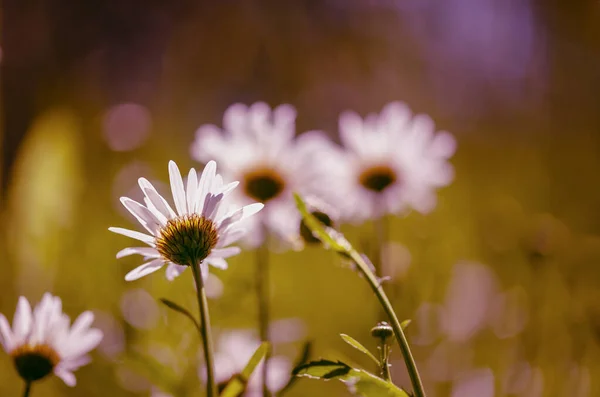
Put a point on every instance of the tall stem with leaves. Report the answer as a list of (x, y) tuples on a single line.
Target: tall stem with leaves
[(205, 331), (262, 291), (338, 242)]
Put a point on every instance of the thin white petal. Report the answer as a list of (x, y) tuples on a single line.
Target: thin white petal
[(252, 209), (22, 321), (157, 200), (225, 252), (206, 181), (192, 190), (85, 343), (6, 337), (230, 237), (211, 204), (217, 262), (66, 376), (177, 188), (148, 252), (174, 270), (142, 214), (133, 234), (144, 269), (82, 322)]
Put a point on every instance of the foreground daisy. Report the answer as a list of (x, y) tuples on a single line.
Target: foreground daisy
[(234, 349), (43, 341), (394, 162), (257, 146), (199, 232)]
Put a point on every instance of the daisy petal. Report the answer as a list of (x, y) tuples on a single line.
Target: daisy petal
[(145, 269), (147, 252), (133, 234), (156, 199), (22, 320), (225, 252), (217, 262), (6, 337), (174, 270), (66, 376), (206, 181), (230, 237), (82, 323), (177, 188), (142, 214), (192, 190)]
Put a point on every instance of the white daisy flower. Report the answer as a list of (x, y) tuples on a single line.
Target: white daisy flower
[(258, 147), (394, 162), (198, 232), (233, 351), (43, 341)]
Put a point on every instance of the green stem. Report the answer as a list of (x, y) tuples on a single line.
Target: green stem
[(205, 333), (394, 322), (385, 366), (381, 236), (27, 389), (262, 290)]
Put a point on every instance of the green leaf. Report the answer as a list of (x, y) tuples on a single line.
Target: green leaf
[(358, 346), (328, 236), (405, 324), (365, 384), (237, 385), (302, 358), (359, 382), (322, 369), (174, 306)]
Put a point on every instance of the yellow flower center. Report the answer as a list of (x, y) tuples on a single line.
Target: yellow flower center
[(378, 178), (187, 240), (263, 184), (34, 362)]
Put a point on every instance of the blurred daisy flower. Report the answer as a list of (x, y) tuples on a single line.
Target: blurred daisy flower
[(258, 147), (234, 350), (394, 162), (199, 232), (43, 341)]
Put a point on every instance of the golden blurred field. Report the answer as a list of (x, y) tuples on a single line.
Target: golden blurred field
[(502, 276)]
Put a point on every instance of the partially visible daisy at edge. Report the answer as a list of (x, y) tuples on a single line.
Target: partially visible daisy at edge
[(43, 341), (198, 232), (233, 351), (258, 147), (394, 162)]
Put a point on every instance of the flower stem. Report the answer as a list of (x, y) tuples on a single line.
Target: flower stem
[(27, 389), (385, 366), (205, 332), (411, 366), (262, 290)]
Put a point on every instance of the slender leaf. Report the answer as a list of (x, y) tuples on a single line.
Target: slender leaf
[(328, 236), (322, 369), (237, 385), (358, 346), (358, 381), (303, 357), (405, 324), (174, 306), (365, 384)]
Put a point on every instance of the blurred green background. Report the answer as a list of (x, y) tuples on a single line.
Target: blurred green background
[(501, 278)]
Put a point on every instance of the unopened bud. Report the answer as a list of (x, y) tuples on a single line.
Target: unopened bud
[(382, 331)]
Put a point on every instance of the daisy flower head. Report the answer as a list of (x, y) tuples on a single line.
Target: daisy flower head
[(233, 351), (42, 341), (257, 146), (199, 230), (394, 161)]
